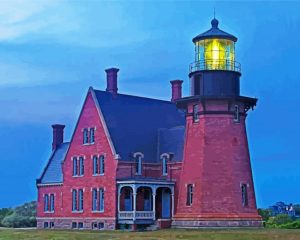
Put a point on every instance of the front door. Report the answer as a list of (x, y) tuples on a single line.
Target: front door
[(166, 200)]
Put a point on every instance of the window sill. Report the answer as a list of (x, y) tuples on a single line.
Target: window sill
[(49, 212), (88, 144), (95, 211), (75, 211), (77, 176), (98, 174), (164, 174)]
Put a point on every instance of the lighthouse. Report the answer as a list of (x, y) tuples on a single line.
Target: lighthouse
[(216, 185)]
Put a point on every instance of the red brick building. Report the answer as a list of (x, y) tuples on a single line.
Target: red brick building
[(135, 162)]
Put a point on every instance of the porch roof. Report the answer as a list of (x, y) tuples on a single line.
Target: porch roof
[(143, 180)]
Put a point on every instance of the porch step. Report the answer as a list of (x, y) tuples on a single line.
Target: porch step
[(153, 227)]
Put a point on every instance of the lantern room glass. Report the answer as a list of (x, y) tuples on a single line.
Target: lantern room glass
[(215, 54)]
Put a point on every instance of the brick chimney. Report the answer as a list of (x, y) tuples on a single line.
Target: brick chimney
[(176, 89), (112, 80), (58, 135)]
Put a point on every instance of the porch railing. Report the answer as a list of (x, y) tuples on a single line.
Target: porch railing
[(135, 215)]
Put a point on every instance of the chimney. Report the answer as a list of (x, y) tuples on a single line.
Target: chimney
[(112, 80), (176, 89), (58, 135)]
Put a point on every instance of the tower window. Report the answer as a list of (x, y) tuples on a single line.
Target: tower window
[(244, 195), (46, 203), (51, 202), (236, 113), (190, 189), (75, 169), (196, 113)]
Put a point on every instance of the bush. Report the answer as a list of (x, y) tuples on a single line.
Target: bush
[(291, 225)]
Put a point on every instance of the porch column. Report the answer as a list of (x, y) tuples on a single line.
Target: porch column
[(153, 202), (172, 195), (134, 202), (119, 195)]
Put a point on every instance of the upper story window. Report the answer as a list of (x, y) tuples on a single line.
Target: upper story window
[(165, 164), (89, 135), (78, 166), (92, 135), (98, 200), (85, 136), (244, 195), (80, 200), (138, 164), (196, 113), (190, 190), (236, 113), (75, 168), (98, 165)]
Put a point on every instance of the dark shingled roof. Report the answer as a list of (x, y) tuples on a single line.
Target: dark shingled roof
[(53, 171), (214, 32), (133, 123)]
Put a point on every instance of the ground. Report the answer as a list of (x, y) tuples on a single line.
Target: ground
[(238, 234)]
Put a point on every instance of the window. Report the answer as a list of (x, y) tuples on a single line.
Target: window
[(80, 200), (196, 113), (138, 165), (51, 224), (46, 224), (81, 166), (85, 136), (95, 165), (101, 199), (165, 165), (244, 195), (92, 135), (236, 113), (101, 164), (98, 200), (94, 197), (101, 225), (51, 202), (74, 200), (80, 225), (74, 225), (189, 199), (75, 169), (46, 203)]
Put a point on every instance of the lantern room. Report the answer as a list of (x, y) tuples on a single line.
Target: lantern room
[(214, 71), (215, 50)]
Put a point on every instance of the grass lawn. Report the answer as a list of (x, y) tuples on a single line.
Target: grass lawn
[(238, 234)]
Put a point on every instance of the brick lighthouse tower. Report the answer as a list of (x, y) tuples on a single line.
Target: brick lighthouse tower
[(216, 186)]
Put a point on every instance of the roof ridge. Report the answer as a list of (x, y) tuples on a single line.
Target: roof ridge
[(128, 95)]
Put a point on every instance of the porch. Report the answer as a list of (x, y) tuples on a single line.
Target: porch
[(145, 201)]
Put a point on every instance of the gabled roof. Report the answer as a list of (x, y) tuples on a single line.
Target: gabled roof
[(133, 123), (53, 171)]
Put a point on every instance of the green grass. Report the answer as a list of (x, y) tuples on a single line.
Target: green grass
[(238, 234)]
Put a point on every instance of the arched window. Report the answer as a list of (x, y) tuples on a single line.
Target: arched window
[(85, 136), (138, 164), (196, 113), (51, 202), (101, 164), (74, 200), (46, 203), (165, 165), (92, 135), (81, 166), (80, 200)]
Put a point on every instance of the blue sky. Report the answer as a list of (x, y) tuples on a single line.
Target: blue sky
[(52, 51)]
